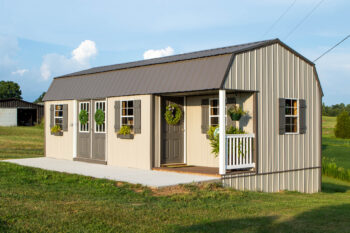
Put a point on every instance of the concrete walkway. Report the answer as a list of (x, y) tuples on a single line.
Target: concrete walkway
[(131, 175)]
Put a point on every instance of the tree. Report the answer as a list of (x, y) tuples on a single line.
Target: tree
[(9, 90), (40, 98), (342, 128)]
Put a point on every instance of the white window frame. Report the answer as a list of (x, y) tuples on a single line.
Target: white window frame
[(58, 117), (89, 113), (105, 123), (121, 113), (210, 115), (295, 116)]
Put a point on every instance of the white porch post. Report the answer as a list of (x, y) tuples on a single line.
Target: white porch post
[(222, 132)]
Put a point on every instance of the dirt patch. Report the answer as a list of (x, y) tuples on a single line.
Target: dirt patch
[(168, 191)]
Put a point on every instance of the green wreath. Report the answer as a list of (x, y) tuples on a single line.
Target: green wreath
[(99, 117), (173, 114), (83, 117)]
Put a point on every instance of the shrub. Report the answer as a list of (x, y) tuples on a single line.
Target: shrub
[(214, 139), (342, 128), (330, 168)]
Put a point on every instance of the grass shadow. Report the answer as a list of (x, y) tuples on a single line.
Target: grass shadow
[(323, 219), (334, 188)]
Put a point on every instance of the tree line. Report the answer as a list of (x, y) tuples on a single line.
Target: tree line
[(335, 110)]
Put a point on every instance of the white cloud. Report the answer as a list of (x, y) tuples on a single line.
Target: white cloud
[(151, 53), (56, 64), (84, 52), (19, 72)]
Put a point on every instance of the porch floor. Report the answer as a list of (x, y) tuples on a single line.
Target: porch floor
[(195, 170)]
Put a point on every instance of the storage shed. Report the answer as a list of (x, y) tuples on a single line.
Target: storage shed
[(158, 114), (16, 112)]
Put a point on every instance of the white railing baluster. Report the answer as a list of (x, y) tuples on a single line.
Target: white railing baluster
[(239, 151)]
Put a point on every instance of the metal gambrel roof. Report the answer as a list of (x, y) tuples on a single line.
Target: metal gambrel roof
[(197, 71)]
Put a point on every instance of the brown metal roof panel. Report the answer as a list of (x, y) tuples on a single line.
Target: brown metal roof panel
[(189, 75)]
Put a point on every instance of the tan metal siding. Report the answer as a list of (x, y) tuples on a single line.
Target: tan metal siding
[(278, 73)]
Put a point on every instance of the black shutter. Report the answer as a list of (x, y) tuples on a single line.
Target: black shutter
[(137, 116), (282, 116), (205, 115), (65, 117), (117, 116), (230, 103), (52, 116), (302, 116)]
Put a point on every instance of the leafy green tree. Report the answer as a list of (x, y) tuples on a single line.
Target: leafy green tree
[(9, 90), (342, 128), (40, 98)]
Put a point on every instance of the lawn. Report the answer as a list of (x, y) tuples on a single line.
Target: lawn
[(332, 147), (43, 201), (21, 142), (35, 200)]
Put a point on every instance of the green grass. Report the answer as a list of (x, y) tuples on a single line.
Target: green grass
[(335, 149), (34, 200), (21, 142)]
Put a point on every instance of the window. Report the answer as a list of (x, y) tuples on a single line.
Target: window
[(58, 117), (100, 105), (214, 112), (127, 113), (85, 106), (291, 114)]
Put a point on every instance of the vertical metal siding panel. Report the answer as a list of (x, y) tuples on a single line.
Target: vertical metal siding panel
[(239, 72), (252, 70)]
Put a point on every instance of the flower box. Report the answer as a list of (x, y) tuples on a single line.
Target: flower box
[(60, 133), (125, 136)]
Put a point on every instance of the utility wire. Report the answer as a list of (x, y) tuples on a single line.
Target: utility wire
[(279, 18), (332, 48), (303, 20)]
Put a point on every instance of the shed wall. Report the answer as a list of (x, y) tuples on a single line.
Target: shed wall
[(59, 147), (134, 153), (8, 116), (275, 72)]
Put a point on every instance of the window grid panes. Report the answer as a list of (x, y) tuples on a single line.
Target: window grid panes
[(127, 113), (101, 128), (291, 114), (58, 117), (214, 112), (85, 127)]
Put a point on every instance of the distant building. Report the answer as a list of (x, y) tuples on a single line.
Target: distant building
[(15, 112)]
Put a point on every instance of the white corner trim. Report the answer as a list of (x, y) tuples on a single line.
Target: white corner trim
[(75, 128)]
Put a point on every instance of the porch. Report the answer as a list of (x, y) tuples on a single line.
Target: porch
[(191, 148)]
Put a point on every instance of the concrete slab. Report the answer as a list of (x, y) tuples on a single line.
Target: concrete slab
[(149, 178)]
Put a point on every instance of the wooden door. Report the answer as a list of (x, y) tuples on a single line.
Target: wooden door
[(172, 135), (84, 132), (99, 133)]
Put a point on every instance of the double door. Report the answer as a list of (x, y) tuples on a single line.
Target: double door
[(91, 136)]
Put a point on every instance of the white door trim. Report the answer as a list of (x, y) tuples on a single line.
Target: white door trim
[(185, 129)]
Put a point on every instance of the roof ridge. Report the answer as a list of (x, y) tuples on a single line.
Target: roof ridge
[(171, 58)]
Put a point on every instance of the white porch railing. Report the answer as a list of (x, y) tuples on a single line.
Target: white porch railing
[(239, 151)]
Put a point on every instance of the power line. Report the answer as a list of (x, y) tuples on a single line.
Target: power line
[(303, 20), (279, 18), (332, 48)]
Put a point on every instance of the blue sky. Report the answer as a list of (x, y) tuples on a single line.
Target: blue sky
[(43, 39)]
